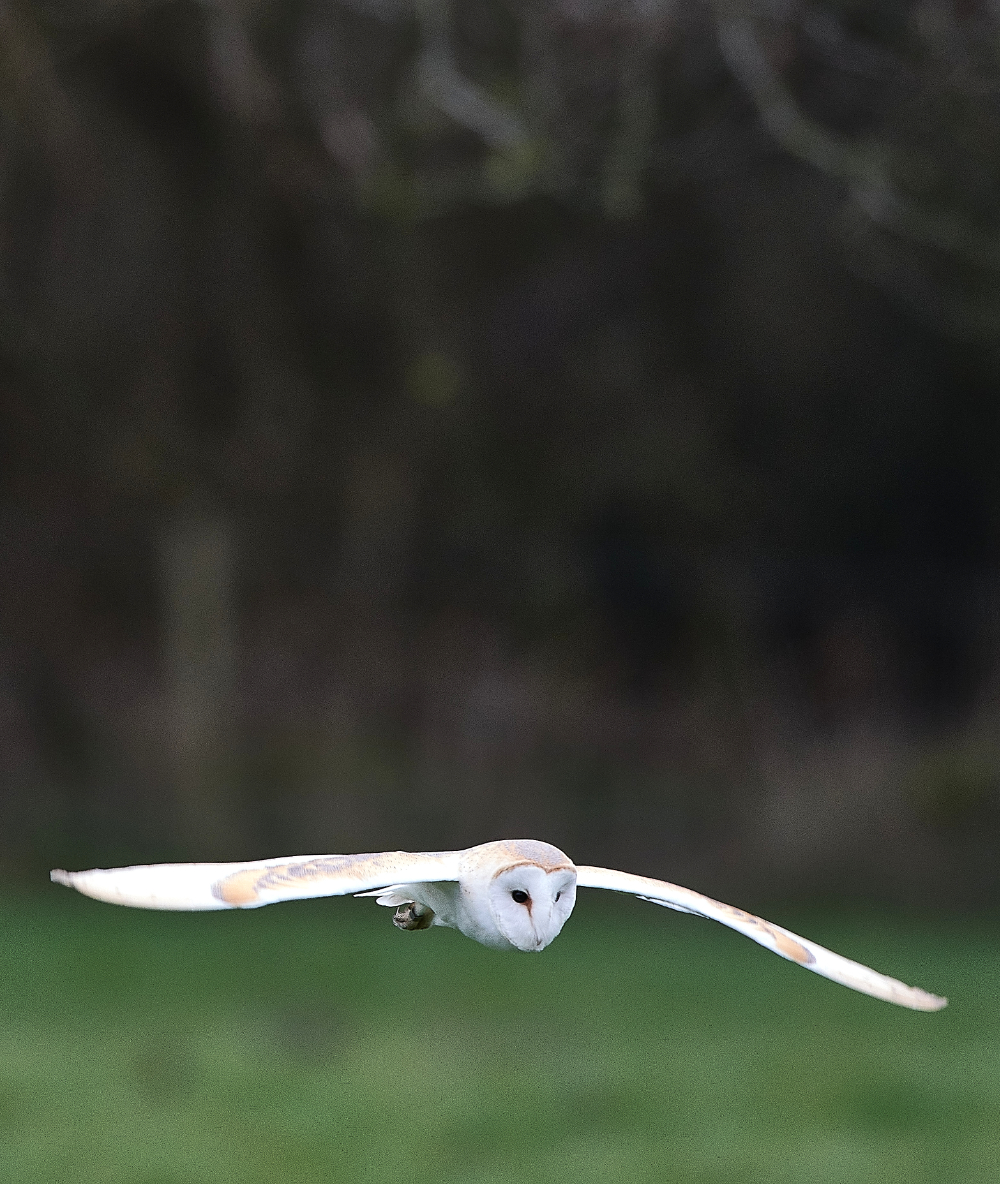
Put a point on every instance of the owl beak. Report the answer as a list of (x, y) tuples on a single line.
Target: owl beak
[(540, 942)]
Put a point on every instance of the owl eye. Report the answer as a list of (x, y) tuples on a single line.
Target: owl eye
[(558, 894), (519, 896)]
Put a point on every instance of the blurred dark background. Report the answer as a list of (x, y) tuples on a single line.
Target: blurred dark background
[(428, 423)]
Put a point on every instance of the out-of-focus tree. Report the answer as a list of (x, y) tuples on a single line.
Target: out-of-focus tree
[(440, 296)]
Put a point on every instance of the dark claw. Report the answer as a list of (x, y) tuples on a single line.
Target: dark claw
[(413, 916)]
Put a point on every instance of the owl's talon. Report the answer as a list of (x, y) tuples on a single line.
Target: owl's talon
[(413, 916)]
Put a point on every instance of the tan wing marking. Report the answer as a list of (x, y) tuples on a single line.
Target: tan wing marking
[(240, 888), (347, 873), (783, 941)]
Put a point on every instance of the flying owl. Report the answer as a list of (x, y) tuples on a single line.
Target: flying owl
[(515, 894)]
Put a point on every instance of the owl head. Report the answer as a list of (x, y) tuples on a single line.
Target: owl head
[(531, 903)]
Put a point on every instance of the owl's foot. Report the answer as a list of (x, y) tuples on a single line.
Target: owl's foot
[(413, 916)]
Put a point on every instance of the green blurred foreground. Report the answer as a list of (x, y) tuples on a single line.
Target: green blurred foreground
[(314, 1042)]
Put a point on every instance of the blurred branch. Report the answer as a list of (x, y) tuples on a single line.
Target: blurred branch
[(861, 168), (239, 76), (442, 83), (847, 54), (749, 62)]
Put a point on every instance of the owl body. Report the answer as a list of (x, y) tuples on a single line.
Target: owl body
[(484, 903)]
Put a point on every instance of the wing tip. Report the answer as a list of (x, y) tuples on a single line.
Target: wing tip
[(59, 876), (925, 1001)]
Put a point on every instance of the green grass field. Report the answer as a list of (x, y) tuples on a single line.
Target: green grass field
[(312, 1042)]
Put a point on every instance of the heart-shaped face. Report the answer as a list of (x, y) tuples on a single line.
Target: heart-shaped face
[(531, 905)]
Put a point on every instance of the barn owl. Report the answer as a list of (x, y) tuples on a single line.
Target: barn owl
[(514, 894)]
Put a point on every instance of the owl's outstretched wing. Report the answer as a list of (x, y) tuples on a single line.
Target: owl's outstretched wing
[(773, 937), (203, 886)]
